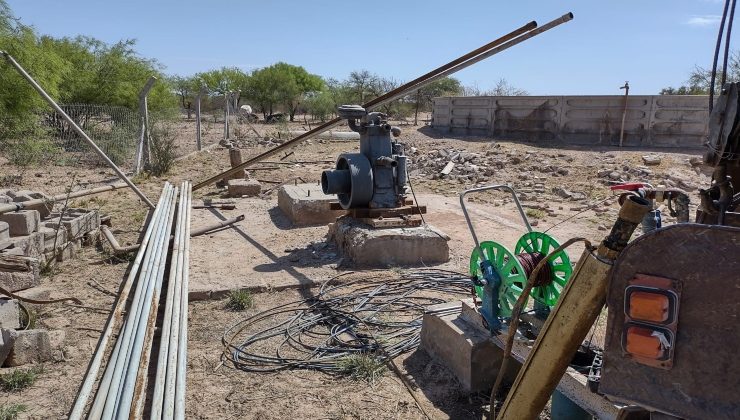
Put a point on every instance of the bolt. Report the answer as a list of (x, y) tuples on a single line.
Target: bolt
[(309, 193)]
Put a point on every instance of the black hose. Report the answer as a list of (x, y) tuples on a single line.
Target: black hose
[(716, 55)]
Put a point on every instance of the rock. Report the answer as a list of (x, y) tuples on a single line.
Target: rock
[(651, 159), (696, 161), (515, 160), (615, 175), (10, 314), (244, 187), (563, 171), (31, 346)]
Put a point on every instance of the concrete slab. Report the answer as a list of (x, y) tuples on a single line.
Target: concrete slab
[(306, 204), (19, 273), (7, 340), (365, 246), (10, 314), (22, 222), (31, 346), (244, 187)]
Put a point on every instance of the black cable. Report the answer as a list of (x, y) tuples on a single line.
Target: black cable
[(716, 56), (727, 43)]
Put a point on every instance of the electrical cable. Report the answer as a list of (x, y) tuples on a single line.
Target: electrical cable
[(373, 315)]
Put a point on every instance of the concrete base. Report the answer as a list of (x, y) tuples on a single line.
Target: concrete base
[(306, 204), (466, 349), (31, 346), (23, 222), (367, 246), (243, 187), (10, 314)]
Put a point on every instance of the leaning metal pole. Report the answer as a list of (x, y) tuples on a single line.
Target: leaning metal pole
[(507, 41), (77, 128)]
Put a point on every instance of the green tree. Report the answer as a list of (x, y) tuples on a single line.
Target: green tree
[(700, 79), (282, 84), (187, 89), (440, 87)]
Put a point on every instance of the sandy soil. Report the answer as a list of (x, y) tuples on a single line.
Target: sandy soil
[(264, 250)]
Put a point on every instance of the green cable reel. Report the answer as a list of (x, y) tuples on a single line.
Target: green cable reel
[(513, 274)]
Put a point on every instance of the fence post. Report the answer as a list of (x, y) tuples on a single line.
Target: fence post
[(198, 143), (143, 149), (227, 95)]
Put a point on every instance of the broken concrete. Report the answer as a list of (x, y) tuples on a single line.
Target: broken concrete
[(23, 222), (464, 348), (31, 346), (4, 231), (44, 209), (19, 272), (244, 187), (28, 245), (7, 341), (10, 314), (306, 204), (371, 247), (77, 222)]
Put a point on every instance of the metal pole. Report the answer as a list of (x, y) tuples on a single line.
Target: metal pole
[(77, 128), (198, 144), (143, 150), (626, 88), (415, 84), (182, 348), (5, 208)]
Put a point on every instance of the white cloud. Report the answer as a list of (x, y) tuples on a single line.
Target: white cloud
[(704, 20)]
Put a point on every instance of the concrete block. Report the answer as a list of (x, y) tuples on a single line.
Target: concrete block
[(464, 349), (31, 346), (77, 222), (29, 245), (43, 208), (53, 237), (7, 340), (23, 222), (69, 251), (306, 204), (244, 187), (371, 247), (10, 314), (18, 272), (4, 231), (5, 199)]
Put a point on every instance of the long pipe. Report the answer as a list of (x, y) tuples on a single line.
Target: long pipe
[(118, 249), (109, 385), (145, 322), (393, 94), (92, 372), (182, 348), (5, 208), (77, 128)]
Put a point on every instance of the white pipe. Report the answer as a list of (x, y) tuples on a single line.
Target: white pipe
[(182, 354)]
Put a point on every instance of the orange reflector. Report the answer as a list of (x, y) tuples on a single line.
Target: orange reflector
[(647, 306), (641, 342)]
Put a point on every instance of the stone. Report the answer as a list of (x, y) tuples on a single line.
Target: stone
[(22, 222), (5, 199), (31, 346), (651, 159), (18, 272), (462, 347), (366, 246), (29, 245), (10, 314), (4, 231), (244, 187), (78, 222), (53, 238), (69, 251), (306, 204), (7, 340)]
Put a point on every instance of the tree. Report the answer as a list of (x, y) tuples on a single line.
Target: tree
[(224, 80), (440, 87), (282, 84), (364, 85), (700, 78), (504, 88), (187, 89)]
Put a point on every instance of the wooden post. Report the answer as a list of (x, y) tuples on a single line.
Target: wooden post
[(235, 158), (143, 149)]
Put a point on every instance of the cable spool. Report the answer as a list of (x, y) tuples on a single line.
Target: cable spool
[(515, 268)]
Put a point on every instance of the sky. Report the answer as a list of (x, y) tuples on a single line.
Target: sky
[(650, 43)]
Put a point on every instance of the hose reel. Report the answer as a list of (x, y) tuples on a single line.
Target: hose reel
[(499, 275)]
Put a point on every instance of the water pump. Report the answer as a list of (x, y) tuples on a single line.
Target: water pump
[(376, 177)]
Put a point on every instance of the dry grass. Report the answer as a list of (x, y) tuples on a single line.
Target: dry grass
[(20, 379)]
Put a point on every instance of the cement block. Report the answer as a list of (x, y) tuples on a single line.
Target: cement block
[(306, 204), (5, 199), (367, 246), (463, 348), (7, 340), (77, 222), (244, 187), (43, 208), (18, 272), (69, 251), (53, 237), (31, 346), (22, 222), (10, 314), (29, 245), (4, 231)]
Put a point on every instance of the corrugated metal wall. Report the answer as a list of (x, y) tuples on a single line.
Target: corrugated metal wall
[(662, 121)]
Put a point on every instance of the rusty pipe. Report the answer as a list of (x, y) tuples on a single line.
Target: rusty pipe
[(118, 249), (415, 84)]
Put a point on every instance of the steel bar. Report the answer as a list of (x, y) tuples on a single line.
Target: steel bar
[(182, 348), (5, 208), (393, 94), (77, 128), (92, 372)]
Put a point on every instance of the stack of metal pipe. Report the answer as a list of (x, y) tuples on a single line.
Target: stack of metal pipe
[(168, 400)]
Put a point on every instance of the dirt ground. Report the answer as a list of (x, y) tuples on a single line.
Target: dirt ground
[(265, 253)]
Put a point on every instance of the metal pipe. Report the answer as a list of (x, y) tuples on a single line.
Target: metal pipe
[(109, 388), (118, 249), (92, 371), (5, 208), (415, 84), (182, 350), (146, 320), (77, 128)]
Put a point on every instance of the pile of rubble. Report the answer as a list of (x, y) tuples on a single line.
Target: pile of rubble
[(31, 238)]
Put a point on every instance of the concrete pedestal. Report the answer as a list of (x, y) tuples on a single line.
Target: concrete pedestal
[(366, 246), (466, 349), (306, 204)]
